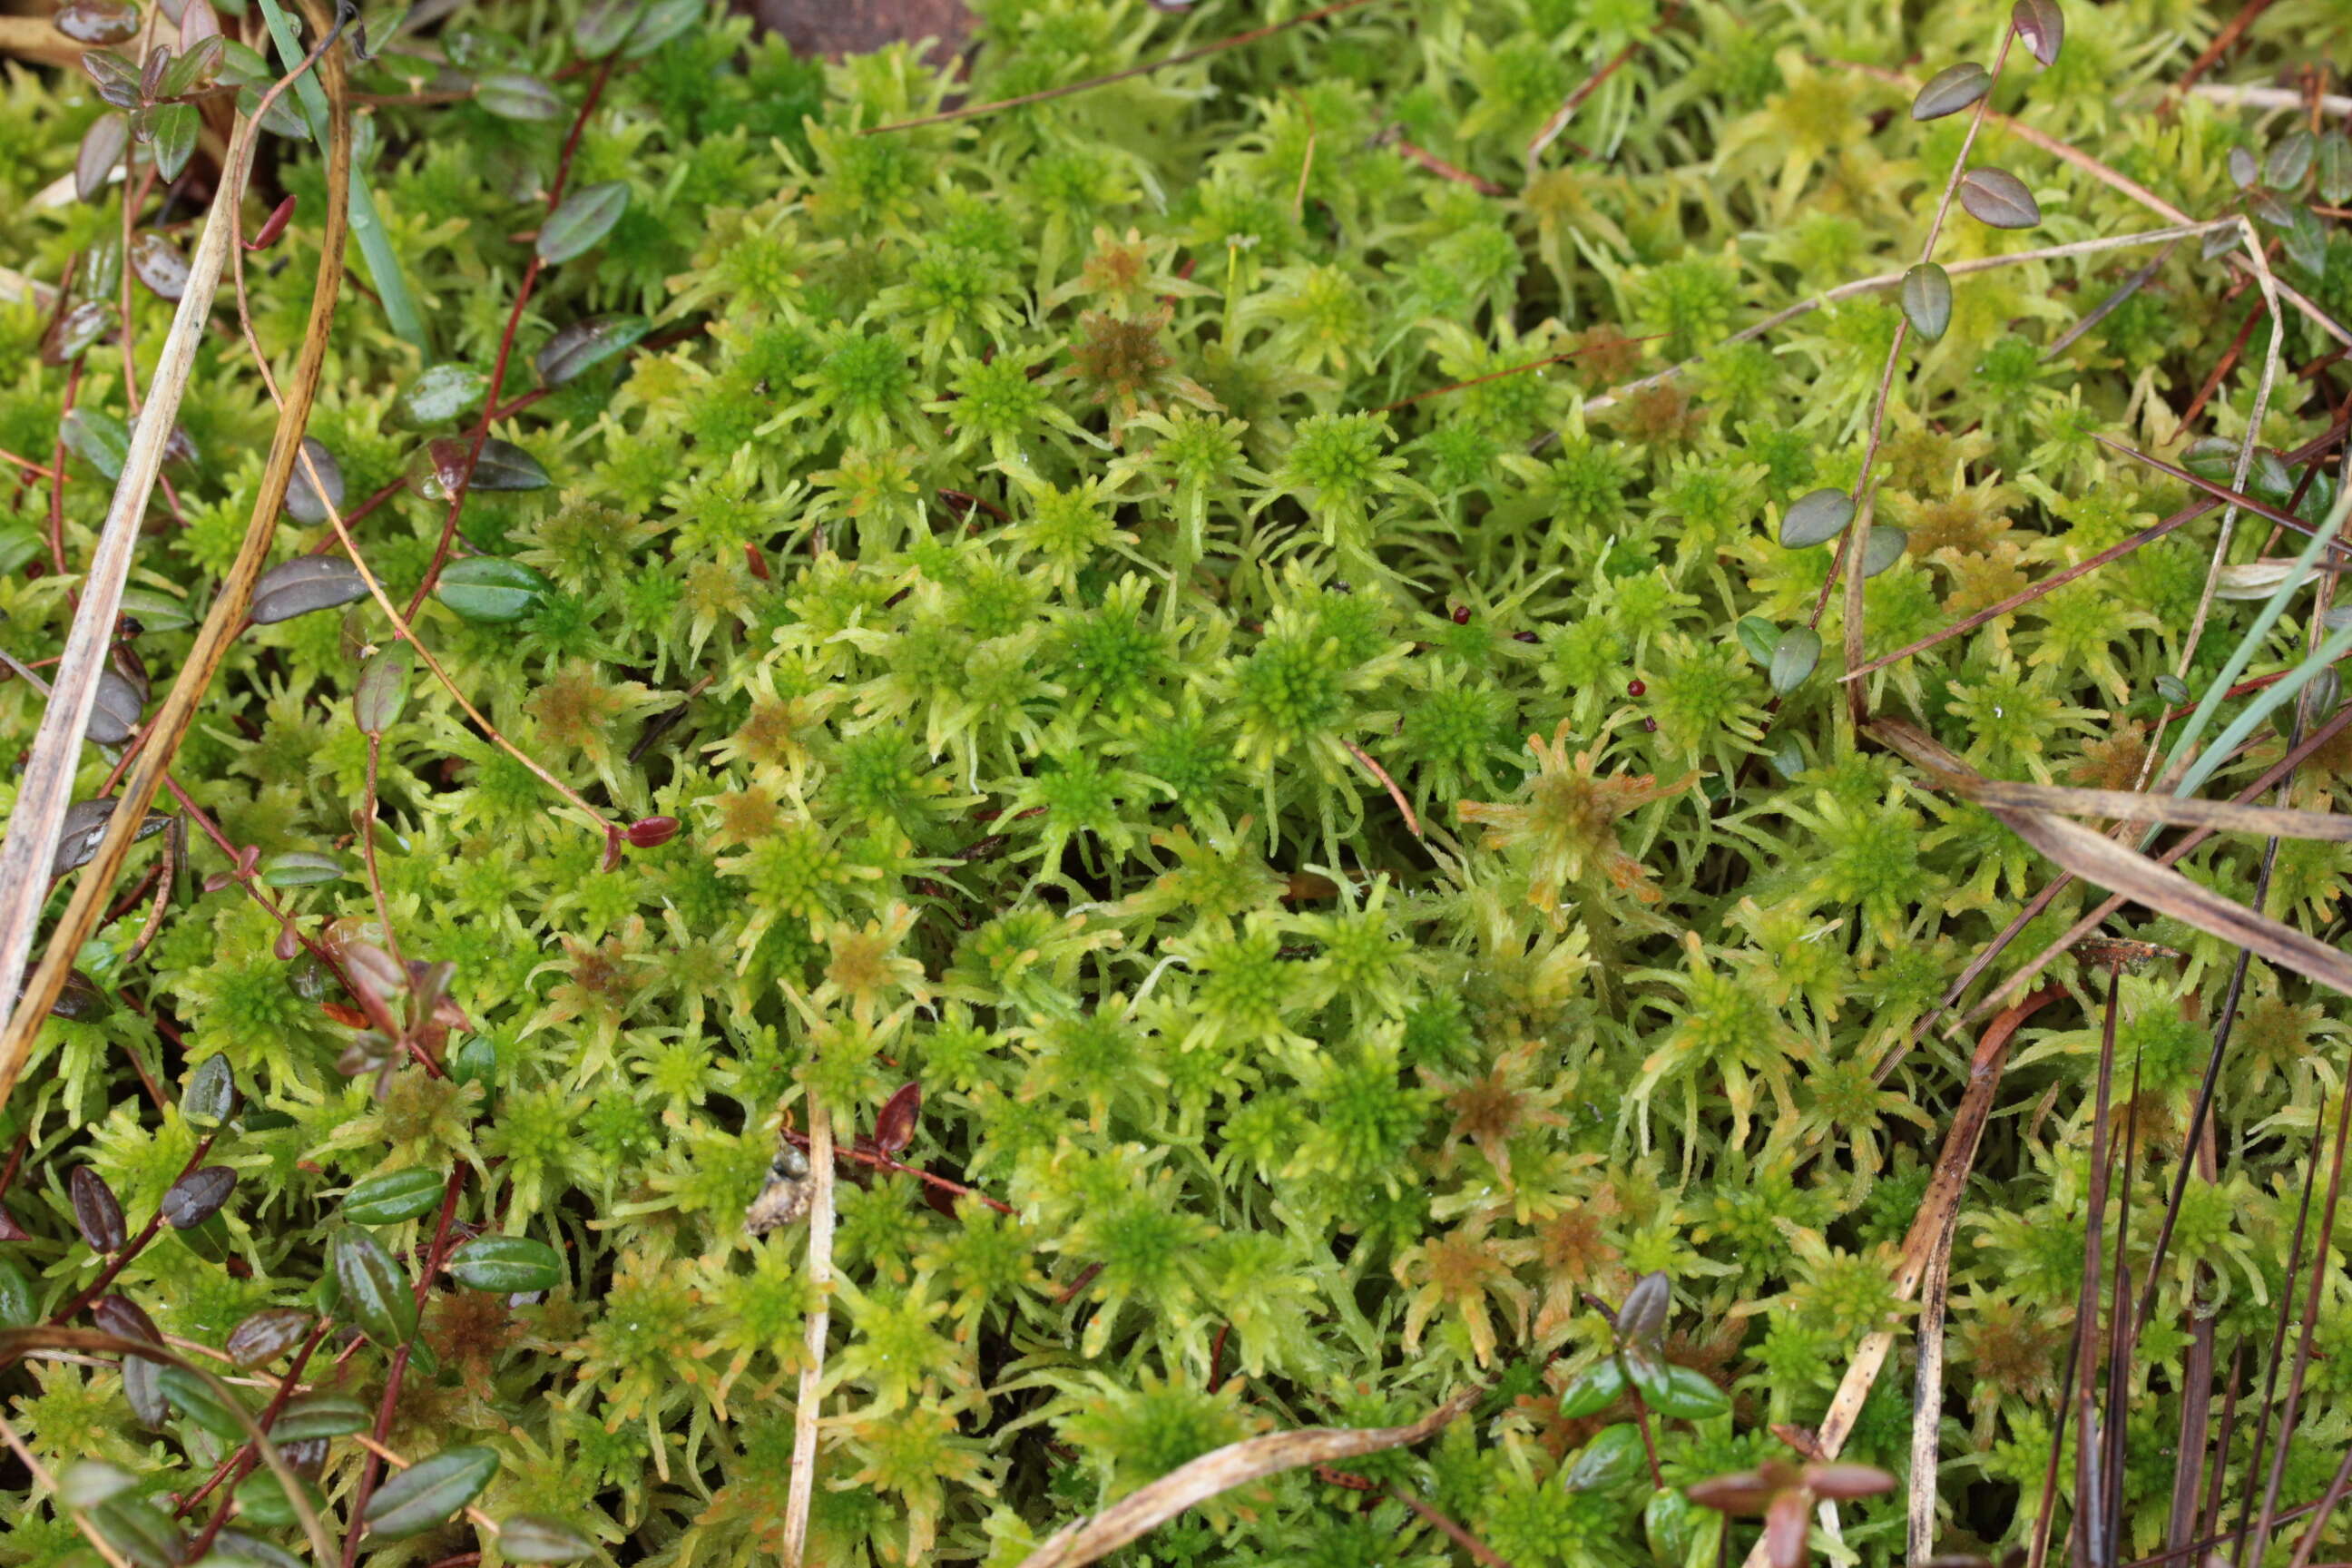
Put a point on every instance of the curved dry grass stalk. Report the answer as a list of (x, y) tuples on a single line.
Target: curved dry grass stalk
[(33, 828), (1235, 1464)]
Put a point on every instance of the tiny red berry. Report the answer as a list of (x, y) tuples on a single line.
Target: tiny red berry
[(1525, 637), (1461, 614), (1635, 688), (648, 832), (1650, 726)]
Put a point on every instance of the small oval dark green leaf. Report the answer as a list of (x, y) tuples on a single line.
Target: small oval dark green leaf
[(581, 220), (535, 1538), (1927, 300), (443, 393), (1950, 91), (1882, 549), (260, 1338), (430, 1492), (97, 1213), (382, 695), (2291, 159), (304, 585), (375, 1293), (507, 1264), (1815, 519), (1798, 651), (491, 589), (584, 345), (1999, 198), (306, 503), (394, 1196), (195, 1398), (211, 1093), (98, 439), (511, 95), (300, 869), (198, 1195), (314, 1415), (100, 152), (1596, 1388), (1613, 1461)]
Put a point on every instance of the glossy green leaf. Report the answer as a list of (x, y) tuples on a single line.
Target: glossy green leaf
[(1594, 1390), (581, 220), (430, 1492), (1999, 198), (1800, 649), (443, 393), (1608, 1464), (511, 95), (301, 868), (1681, 1393), (2043, 26), (175, 135), (394, 1196), (308, 1417), (1927, 300), (211, 1093), (1815, 519), (97, 438), (535, 1538), (1882, 549), (579, 348), (491, 589), (1951, 89), (197, 1400), (260, 1338), (375, 1292), (507, 1264), (381, 694), (1759, 636)]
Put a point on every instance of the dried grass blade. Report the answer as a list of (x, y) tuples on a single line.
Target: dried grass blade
[(2177, 811), (172, 719), (1940, 1207), (1235, 1464), (2095, 858), (46, 787)]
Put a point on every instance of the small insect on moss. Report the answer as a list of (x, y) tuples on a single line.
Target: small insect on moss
[(785, 1197)]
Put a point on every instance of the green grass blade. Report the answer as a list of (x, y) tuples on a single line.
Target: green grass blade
[(367, 227)]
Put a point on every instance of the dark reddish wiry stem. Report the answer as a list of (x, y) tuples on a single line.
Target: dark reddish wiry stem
[(2221, 44), (1405, 148), (1514, 370), (372, 1469), (883, 1163), (465, 477)]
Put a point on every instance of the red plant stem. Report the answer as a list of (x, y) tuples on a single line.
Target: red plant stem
[(1405, 148), (372, 1469), (16, 1158), (883, 1163), (244, 1459), (58, 473), (2220, 44), (2056, 580), (2229, 361), (1069, 1292), (1514, 370), (506, 353), (26, 464)]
